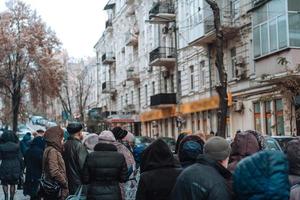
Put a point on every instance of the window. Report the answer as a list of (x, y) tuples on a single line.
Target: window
[(279, 117), (205, 113), (269, 28), (122, 102), (257, 118), (233, 60), (193, 122), (179, 82), (153, 88), (268, 117), (202, 73), (166, 85), (235, 8), (132, 97), (146, 95), (192, 77), (139, 97), (293, 5), (126, 99), (294, 29)]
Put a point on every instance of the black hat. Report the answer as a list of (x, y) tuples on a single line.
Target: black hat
[(74, 127), (119, 133)]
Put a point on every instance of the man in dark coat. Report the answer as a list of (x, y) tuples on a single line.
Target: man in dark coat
[(104, 169), (159, 171), (74, 156), (293, 154), (33, 162), (207, 178)]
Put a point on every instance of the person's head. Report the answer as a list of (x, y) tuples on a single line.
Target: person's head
[(157, 155), (119, 133), (293, 154), (75, 130), (106, 136), (9, 136), (40, 132), (189, 148), (27, 137), (90, 141), (263, 175), (54, 137), (129, 139), (217, 149)]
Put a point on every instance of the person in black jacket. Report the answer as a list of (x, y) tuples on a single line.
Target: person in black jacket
[(74, 156), (159, 171), (207, 178), (11, 165), (104, 169), (33, 162)]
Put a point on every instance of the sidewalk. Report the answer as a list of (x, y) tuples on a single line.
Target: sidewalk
[(19, 195)]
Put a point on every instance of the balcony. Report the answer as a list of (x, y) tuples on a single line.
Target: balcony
[(108, 87), (129, 108), (162, 11), (132, 75), (162, 56), (163, 100), (205, 31), (131, 39), (108, 58), (108, 25)]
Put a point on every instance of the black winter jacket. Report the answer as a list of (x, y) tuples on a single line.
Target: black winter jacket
[(74, 156), (104, 169), (159, 171), (205, 180)]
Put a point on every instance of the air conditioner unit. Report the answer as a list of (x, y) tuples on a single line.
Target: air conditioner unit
[(238, 106), (165, 30)]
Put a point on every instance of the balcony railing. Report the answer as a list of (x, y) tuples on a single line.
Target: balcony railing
[(129, 108), (108, 87), (131, 39), (108, 58), (162, 56), (132, 75), (163, 100), (162, 8)]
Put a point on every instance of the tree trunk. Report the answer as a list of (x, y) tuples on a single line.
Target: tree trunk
[(222, 87), (16, 98)]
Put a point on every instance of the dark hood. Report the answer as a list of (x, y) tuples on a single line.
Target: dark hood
[(9, 147), (244, 144), (293, 154), (189, 148), (53, 136), (27, 137), (105, 147), (38, 142), (157, 155), (9, 136)]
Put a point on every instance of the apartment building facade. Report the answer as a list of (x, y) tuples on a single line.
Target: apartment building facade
[(156, 65)]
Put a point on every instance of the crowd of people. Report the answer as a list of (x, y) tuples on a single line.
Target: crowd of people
[(109, 166)]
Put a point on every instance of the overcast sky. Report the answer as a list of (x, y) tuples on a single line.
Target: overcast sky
[(77, 23)]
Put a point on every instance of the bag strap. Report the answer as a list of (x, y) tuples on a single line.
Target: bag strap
[(44, 160)]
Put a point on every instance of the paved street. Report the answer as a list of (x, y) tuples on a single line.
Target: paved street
[(19, 195)]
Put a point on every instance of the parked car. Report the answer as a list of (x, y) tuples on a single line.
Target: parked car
[(143, 140), (34, 119), (170, 142), (272, 144), (283, 140), (50, 124), (42, 122)]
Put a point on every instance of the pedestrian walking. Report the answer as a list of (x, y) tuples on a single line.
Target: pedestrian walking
[(53, 163), (262, 176), (33, 162), (293, 154), (104, 169), (189, 149), (25, 143), (159, 171), (243, 145), (208, 178), (11, 165), (74, 156)]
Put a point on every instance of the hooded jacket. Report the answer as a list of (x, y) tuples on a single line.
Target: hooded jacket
[(158, 172), (53, 164), (33, 161), (204, 180), (262, 176), (189, 149), (74, 156), (11, 167), (244, 144), (25, 143), (104, 169), (293, 154)]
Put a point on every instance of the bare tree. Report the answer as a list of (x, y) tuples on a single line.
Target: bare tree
[(222, 86), (27, 57)]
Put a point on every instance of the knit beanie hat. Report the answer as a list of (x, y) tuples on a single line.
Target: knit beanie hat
[(217, 148), (74, 127), (119, 133), (107, 136)]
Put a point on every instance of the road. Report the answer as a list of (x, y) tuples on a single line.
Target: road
[(34, 127), (19, 195)]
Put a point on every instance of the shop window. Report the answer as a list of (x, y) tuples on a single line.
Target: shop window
[(257, 116), (198, 120), (205, 122), (193, 122), (268, 117), (279, 117)]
